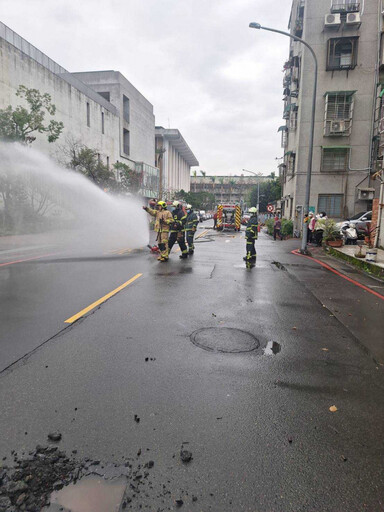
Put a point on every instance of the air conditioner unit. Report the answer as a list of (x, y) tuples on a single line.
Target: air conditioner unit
[(337, 127), (365, 194), (332, 20), (353, 18)]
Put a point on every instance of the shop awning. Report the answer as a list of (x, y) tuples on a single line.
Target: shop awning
[(291, 106), (346, 93), (289, 153), (283, 128), (381, 94)]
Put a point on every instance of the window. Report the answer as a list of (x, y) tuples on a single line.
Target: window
[(292, 124), (126, 141), (108, 162), (331, 204), (102, 123), (105, 95), (88, 114), (345, 6), (98, 158), (342, 53), (291, 163), (126, 108), (335, 159), (338, 113)]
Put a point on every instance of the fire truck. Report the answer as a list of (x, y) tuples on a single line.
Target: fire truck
[(228, 217)]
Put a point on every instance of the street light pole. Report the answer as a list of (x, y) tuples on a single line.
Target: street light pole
[(304, 238), (258, 188)]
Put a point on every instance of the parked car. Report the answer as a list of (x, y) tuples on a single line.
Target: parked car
[(360, 220)]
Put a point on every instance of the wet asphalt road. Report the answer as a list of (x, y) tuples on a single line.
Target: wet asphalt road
[(259, 426)]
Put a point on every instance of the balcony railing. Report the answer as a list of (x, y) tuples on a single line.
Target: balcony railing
[(346, 6)]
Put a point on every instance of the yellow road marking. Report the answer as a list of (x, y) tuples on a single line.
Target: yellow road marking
[(202, 234), (100, 301)]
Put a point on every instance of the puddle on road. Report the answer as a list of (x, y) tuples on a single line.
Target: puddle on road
[(272, 348), (91, 494)]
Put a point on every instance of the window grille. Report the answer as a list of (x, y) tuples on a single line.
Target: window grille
[(292, 124), (126, 141), (338, 113), (291, 164), (345, 6), (335, 160), (331, 204), (342, 53), (88, 114)]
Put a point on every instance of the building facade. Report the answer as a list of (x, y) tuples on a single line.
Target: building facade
[(107, 113), (174, 158), (345, 37), (227, 189)]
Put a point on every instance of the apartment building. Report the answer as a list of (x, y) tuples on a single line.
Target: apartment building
[(227, 189), (345, 37)]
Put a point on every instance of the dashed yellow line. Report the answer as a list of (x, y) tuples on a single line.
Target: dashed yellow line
[(100, 301), (202, 234)]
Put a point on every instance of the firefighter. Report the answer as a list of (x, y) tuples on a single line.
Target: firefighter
[(190, 228), (177, 233), (163, 219), (251, 236)]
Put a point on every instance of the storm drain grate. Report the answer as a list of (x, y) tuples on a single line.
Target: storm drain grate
[(224, 339)]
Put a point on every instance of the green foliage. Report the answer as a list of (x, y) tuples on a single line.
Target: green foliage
[(130, 179), (86, 161), (286, 227), (21, 123), (269, 191), (269, 224), (198, 200), (331, 231)]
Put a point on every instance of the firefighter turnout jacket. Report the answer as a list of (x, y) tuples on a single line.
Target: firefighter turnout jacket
[(191, 221), (179, 218), (251, 229), (163, 219)]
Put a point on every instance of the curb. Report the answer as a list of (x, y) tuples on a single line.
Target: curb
[(370, 269)]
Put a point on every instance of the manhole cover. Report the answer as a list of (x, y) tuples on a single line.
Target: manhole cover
[(224, 339)]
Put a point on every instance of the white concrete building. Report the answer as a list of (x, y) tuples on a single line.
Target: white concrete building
[(174, 159), (345, 39), (120, 124)]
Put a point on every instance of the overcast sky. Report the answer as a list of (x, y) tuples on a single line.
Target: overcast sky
[(205, 72)]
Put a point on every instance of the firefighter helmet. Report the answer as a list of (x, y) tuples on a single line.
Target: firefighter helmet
[(253, 210), (189, 206), (163, 204), (175, 203)]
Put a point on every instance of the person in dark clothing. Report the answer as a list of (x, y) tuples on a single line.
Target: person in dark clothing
[(277, 228), (177, 233), (190, 228), (251, 236)]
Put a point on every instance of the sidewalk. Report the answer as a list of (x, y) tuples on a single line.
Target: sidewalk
[(347, 253)]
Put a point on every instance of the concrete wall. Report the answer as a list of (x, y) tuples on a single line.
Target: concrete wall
[(17, 68), (362, 79), (141, 125)]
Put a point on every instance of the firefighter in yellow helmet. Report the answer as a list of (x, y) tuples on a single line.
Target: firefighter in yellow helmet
[(163, 219)]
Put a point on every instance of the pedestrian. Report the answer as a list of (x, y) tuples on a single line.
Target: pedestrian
[(177, 233), (251, 236), (215, 220), (277, 228), (311, 226), (319, 228), (163, 218), (190, 228)]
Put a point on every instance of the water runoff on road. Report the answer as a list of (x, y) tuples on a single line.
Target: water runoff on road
[(72, 211)]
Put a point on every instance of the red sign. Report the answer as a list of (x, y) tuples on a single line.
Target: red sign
[(270, 208)]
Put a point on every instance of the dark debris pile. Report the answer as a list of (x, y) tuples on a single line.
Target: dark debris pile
[(28, 484)]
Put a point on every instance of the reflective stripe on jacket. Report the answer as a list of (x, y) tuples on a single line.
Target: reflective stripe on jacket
[(191, 221), (179, 218), (251, 229), (162, 219)]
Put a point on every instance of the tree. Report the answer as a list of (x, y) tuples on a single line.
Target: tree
[(87, 161), (203, 173), (130, 180), (270, 191), (21, 124), (198, 200)]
